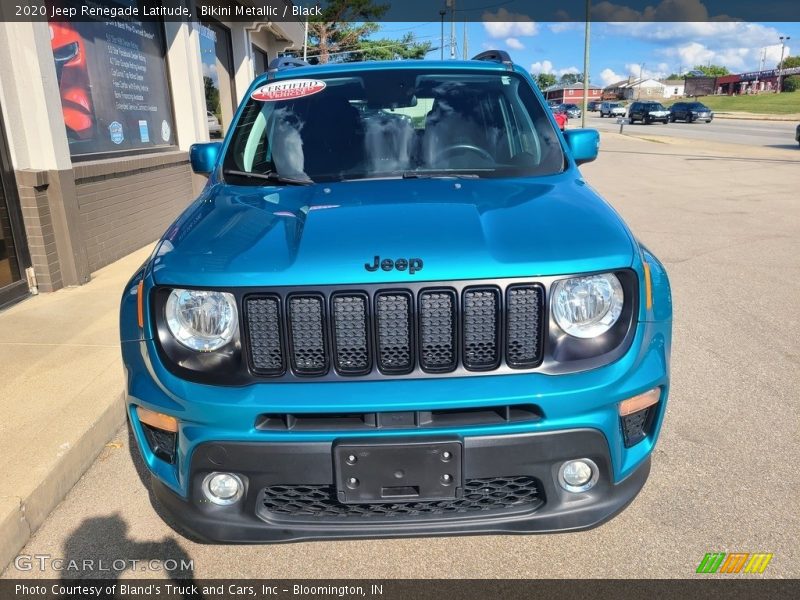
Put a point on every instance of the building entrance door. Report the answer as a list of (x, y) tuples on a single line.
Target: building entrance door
[(14, 256)]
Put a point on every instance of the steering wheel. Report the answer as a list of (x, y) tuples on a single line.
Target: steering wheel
[(454, 148)]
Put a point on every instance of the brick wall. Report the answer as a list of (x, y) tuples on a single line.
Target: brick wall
[(127, 203), (34, 202)]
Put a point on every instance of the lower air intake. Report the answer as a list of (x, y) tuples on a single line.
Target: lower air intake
[(317, 502)]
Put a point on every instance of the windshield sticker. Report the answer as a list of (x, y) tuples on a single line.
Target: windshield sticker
[(288, 90)]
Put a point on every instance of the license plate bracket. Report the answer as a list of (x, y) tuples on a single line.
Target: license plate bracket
[(412, 471)]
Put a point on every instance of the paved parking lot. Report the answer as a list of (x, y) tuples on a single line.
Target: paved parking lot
[(726, 222)]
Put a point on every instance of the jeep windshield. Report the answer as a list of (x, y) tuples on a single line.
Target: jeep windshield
[(392, 123)]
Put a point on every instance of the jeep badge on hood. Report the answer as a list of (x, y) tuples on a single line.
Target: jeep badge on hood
[(401, 264)]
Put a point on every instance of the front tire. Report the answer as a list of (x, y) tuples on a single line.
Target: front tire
[(688, 118)]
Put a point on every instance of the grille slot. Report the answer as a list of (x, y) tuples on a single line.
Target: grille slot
[(264, 333), (351, 333), (481, 316), (437, 330), (307, 334), (524, 322), (393, 313), (319, 502)]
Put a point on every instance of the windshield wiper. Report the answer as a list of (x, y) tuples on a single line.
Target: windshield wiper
[(438, 174), (270, 176)]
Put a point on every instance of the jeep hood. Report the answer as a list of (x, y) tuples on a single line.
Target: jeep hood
[(326, 233)]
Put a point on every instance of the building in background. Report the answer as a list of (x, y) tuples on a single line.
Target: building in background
[(673, 88), (635, 89), (97, 119), (571, 94)]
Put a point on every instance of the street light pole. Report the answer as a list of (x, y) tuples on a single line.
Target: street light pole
[(452, 29), (442, 13), (586, 65), (783, 39)]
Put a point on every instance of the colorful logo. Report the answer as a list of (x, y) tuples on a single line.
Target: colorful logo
[(288, 90), (735, 562), (115, 132)]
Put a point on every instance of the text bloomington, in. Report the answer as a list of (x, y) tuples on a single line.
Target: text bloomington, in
[(232, 589)]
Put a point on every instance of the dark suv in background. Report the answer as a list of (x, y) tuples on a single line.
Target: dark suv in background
[(648, 112), (690, 111)]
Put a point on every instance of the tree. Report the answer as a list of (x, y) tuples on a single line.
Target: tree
[(387, 49), (342, 25), (676, 76), (569, 78), (711, 70), (212, 96), (791, 83), (545, 80), (790, 62)]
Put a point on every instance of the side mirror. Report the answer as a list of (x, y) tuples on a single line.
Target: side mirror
[(204, 156), (583, 144)]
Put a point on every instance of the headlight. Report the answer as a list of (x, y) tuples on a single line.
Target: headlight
[(586, 307), (202, 320)]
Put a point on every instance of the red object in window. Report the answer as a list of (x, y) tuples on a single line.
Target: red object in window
[(69, 53), (561, 120)]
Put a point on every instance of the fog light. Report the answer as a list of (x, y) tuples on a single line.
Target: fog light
[(578, 475), (223, 488)]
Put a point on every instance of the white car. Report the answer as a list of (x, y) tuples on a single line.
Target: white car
[(214, 128), (612, 109)]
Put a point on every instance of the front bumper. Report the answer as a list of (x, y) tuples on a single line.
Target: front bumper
[(305, 470)]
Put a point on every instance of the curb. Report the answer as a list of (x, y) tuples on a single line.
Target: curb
[(21, 517)]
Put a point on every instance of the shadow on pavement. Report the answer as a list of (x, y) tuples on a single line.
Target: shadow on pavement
[(144, 477)]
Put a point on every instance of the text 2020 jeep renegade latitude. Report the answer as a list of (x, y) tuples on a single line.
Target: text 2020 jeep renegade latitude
[(395, 309)]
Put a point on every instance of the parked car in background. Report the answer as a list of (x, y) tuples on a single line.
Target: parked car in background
[(593, 106), (561, 117), (797, 134), (648, 112), (612, 109), (573, 110), (214, 128), (690, 111)]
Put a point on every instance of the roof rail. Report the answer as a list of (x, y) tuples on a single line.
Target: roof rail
[(500, 56), (284, 62)]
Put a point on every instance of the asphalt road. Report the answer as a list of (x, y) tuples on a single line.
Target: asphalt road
[(765, 134), (726, 222)]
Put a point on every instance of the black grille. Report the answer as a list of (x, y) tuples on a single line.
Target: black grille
[(524, 320), (387, 332), (317, 502), (481, 346), (636, 426), (437, 330), (393, 311), (264, 333), (351, 333), (307, 327)]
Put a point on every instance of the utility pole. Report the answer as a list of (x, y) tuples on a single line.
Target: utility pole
[(586, 65), (783, 39), (442, 13), (305, 41), (639, 87), (465, 52), (452, 5)]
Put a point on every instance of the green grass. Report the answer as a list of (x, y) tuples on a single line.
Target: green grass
[(768, 104)]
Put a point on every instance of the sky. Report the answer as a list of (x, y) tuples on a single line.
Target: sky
[(617, 49)]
